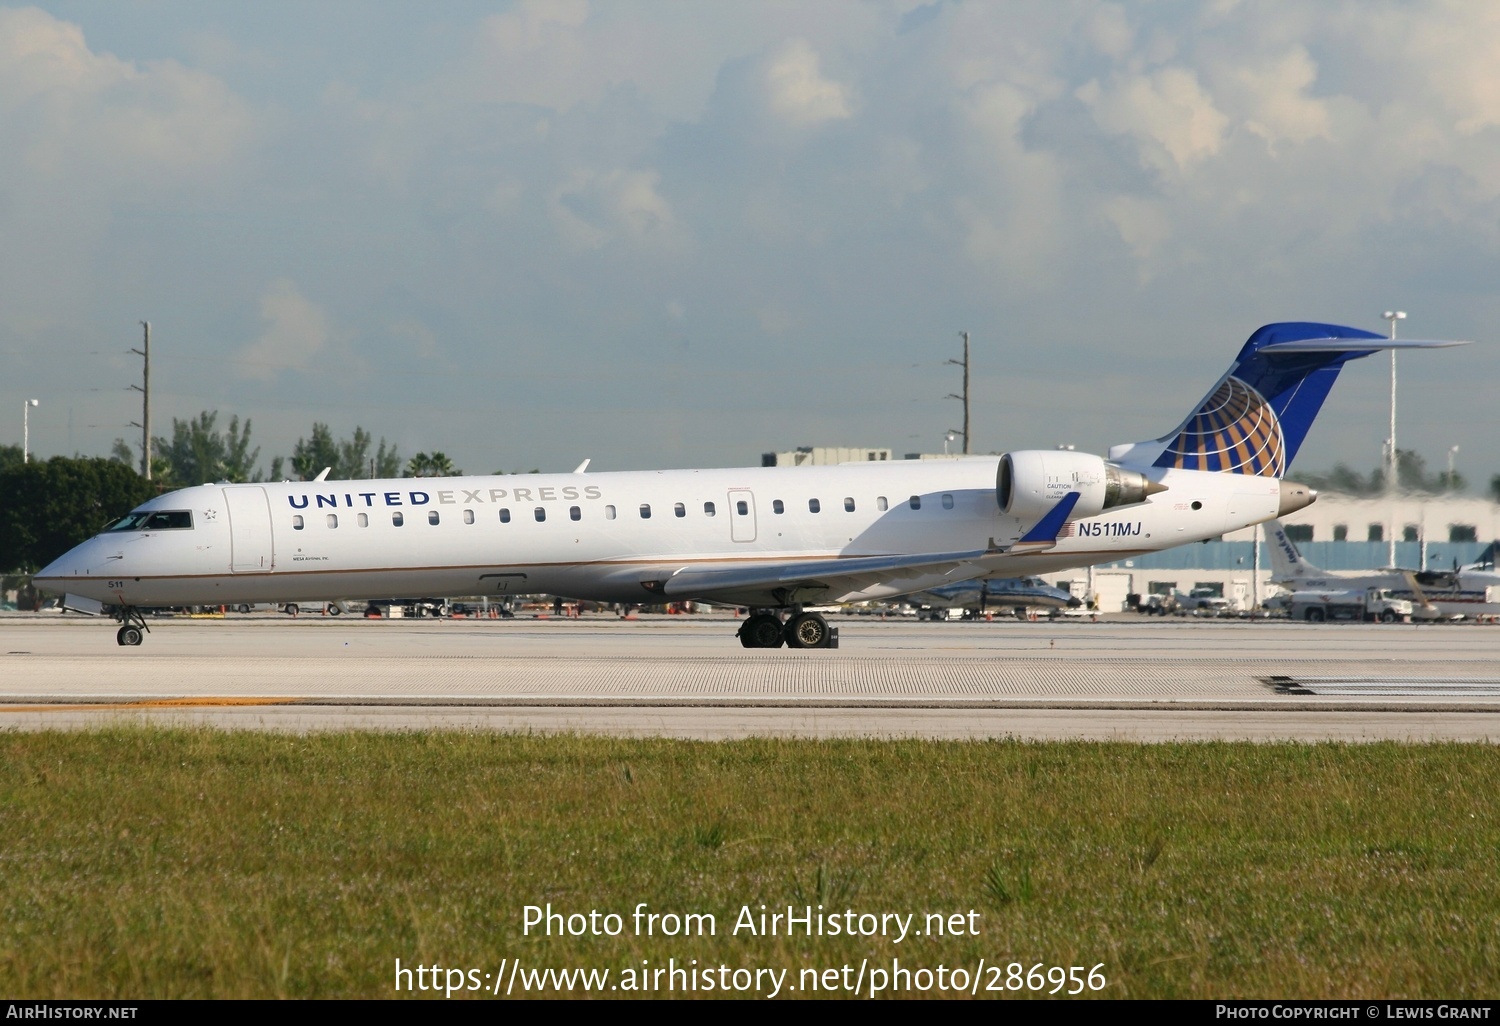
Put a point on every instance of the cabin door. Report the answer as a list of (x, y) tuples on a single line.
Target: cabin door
[(741, 515), (250, 549)]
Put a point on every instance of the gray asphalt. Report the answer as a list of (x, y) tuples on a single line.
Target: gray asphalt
[(682, 676)]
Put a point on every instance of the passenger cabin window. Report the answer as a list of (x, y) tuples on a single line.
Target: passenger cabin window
[(708, 509), (333, 520), (155, 520), (432, 516), (541, 514), (574, 513), (645, 511), (742, 507), (364, 520), (947, 500), (848, 504), (397, 520), (813, 505), (296, 523), (916, 502), (609, 512), (504, 515), (468, 516), (880, 503), (777, 506), (679, 510)]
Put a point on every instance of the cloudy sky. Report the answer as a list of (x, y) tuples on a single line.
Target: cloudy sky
[(666, 234)]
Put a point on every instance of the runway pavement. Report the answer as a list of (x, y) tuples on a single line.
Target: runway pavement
[(1128, 677)]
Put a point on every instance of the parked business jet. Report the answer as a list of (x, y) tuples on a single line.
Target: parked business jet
[(772, 539), (1467, 592), (1018, 594)]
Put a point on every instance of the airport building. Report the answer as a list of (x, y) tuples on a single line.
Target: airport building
[(823, 456), (1338, 532)]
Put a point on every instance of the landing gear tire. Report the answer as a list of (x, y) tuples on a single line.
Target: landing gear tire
[(762, 630), (129, 635), (242, 608), (806, 630), (290, 609), (334, 609)]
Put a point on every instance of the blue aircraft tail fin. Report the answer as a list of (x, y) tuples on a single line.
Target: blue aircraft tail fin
[(1255, 419)]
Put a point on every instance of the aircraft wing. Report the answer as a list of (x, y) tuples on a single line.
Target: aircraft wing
[(846, 578), (811, 580)]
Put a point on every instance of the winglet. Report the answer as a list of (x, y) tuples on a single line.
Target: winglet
[(324, 475), (583, 466), (1044, 534)]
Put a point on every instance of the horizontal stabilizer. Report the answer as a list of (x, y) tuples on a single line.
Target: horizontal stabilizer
[(1357, 345)]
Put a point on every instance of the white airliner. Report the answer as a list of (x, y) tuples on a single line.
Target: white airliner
[(1468, 592), (772, 539)]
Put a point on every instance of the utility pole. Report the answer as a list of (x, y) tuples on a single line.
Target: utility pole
[(965, 397), (145, 389)]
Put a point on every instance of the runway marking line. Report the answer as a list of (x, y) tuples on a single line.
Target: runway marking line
[(156, 703)]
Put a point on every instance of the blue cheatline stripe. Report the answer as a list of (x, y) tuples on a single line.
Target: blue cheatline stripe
[(1046, 528)]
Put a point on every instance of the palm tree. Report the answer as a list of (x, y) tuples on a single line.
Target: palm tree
[(435, 465)]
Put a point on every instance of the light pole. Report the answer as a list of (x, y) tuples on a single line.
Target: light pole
[(1390, 480), (1452, 452), (26, 429), (946, 439)]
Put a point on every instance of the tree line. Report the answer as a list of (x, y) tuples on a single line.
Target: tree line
[(1411, 476), (199, 452)]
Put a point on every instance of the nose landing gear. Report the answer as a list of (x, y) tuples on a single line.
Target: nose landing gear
[(133, 629)]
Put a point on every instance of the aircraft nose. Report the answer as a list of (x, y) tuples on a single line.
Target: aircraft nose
[(83, 560)]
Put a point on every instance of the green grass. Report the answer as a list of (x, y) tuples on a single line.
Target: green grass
[(185, 863)]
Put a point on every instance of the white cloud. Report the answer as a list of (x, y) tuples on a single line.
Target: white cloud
[(1143, 224), (592, 209), (65, 108), (1167, 111), (796, 90), (1109, 30), (296, 331), (1275, 100)]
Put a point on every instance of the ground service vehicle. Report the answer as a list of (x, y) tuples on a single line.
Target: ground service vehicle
[(1369, 605)]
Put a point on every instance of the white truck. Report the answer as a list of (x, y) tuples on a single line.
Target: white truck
[(1368, 605)]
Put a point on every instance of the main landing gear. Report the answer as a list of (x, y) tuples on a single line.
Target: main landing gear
[(765, 629), (133, 629)]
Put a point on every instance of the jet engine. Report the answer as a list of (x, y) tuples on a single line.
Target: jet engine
[(1033, 481)]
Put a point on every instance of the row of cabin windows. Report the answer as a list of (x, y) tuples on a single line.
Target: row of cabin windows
[(741, 507)]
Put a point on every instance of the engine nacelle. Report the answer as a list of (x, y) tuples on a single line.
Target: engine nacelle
[(1033, 481)]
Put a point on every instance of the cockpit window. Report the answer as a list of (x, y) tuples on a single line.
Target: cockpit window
[(155, 520)]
